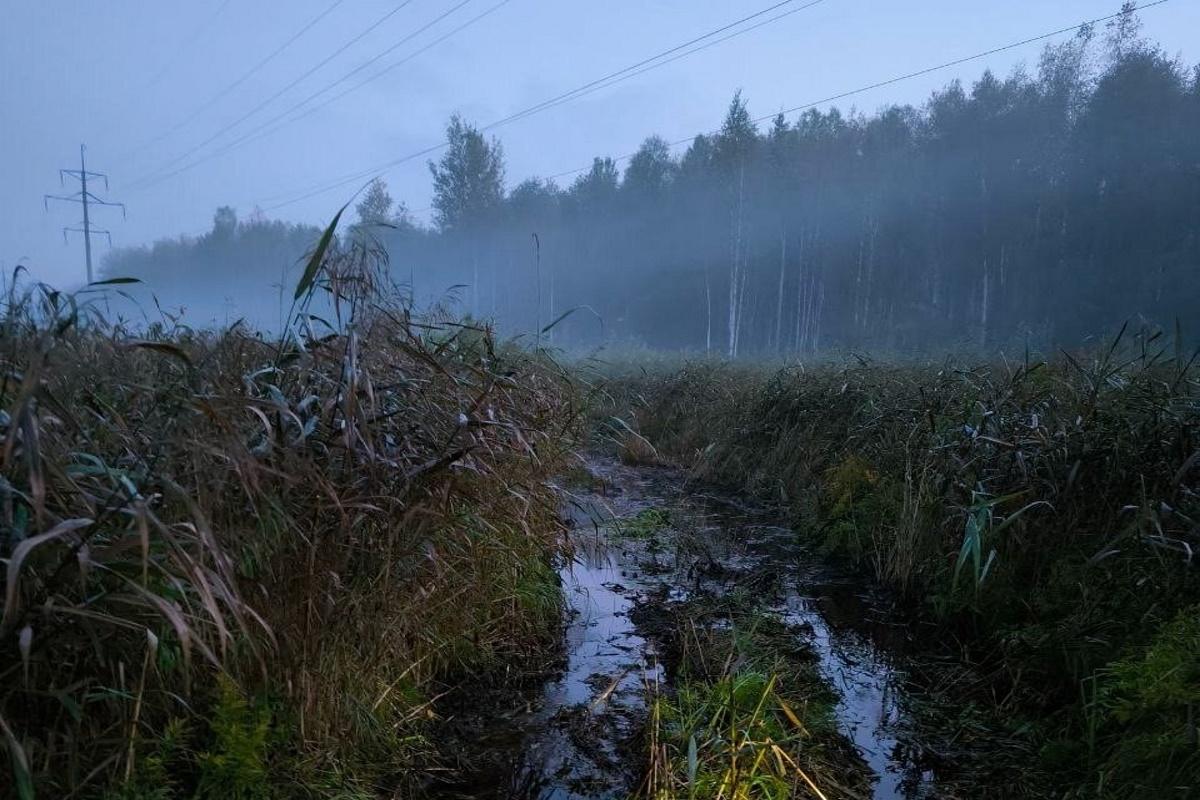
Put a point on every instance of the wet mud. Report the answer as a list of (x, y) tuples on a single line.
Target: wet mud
[(645, 546)]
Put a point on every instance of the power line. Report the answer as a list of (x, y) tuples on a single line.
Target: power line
[(190, 41), (646, 65), (562, 98), (369, 29), (312, 110), (359, 176), (897, 79), (265, 128), (608, 80), (963, 60), (231, 87), (86, 199)]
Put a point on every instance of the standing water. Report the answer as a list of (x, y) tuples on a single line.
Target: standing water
[(580, 737)]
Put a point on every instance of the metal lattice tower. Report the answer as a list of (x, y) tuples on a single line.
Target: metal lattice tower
[(86, 199)]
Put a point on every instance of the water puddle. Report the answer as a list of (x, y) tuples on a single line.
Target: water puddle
[(579, 738), (869, 711)]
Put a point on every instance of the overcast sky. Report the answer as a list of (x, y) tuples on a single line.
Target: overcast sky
[(121, 74)]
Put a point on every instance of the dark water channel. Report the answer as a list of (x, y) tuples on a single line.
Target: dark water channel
[(579, 736)]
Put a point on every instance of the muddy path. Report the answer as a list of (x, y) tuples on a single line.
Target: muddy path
[(647, 549)]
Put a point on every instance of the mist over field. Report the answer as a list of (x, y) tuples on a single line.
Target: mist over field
[(1043, 207), (1043, 204)]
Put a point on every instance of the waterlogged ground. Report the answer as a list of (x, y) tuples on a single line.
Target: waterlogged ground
[(648, 552)]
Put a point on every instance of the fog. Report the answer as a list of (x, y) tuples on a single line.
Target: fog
[(1041, 196)]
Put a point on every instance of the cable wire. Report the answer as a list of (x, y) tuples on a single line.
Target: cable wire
[(890, 81), (597, 86), (354, 40), (596, 83), (612, 78), (312, 110), (375, 171), (231, 87), (268, 127), (199, 33)]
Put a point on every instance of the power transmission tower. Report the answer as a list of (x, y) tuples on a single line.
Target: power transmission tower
[(86, 199)]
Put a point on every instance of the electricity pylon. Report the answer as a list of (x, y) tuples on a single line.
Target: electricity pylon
[(86, 199)]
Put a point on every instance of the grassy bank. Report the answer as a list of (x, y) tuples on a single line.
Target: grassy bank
[(248, 567), (1045, 515)]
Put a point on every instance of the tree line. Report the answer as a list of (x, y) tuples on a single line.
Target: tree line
[(1040, 208)]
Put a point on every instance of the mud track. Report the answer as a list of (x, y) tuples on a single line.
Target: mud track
[(647, 547)]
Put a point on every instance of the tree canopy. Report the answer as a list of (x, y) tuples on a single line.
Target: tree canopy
[(1044, 207)]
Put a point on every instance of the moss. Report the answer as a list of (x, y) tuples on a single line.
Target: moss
[(1164, 680)]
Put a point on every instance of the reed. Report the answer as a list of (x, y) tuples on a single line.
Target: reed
[(1042, 514), (248, 566)]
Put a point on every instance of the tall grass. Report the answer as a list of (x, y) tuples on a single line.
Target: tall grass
[(236, 564), (748, 715), (1046, 514)]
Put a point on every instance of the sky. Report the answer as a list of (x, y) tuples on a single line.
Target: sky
[(149, 86)]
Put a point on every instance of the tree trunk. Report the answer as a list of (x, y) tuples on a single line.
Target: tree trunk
[(552, 306), (779, 296), (708, 312), (735, 267)]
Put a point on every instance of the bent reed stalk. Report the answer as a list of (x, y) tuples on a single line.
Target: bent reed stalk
[(245, 567)]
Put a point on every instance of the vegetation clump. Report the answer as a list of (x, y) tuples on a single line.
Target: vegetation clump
[(1146, 702), (1043, 514), (242, 567), (748, 716), (645, 524)]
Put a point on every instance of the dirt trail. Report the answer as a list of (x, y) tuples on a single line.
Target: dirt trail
[(580, 738)]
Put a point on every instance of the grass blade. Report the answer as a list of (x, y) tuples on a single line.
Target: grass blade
[(318, 256)]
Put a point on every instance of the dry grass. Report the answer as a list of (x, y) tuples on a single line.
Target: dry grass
[(336, 524), (1046, 514), (636, 450)]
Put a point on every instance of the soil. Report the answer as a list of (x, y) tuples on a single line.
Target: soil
[(647, 548)]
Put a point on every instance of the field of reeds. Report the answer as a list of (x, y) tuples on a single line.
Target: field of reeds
[(248, 566), (1041, 518), (240, 565)]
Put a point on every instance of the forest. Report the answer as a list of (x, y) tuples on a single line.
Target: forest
[(1040, 209)]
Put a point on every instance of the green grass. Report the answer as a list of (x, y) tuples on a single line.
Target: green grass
[(749, 715), (1042, 514), (645, 524)]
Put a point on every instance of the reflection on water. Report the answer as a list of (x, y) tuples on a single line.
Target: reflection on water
[(577, 739)]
